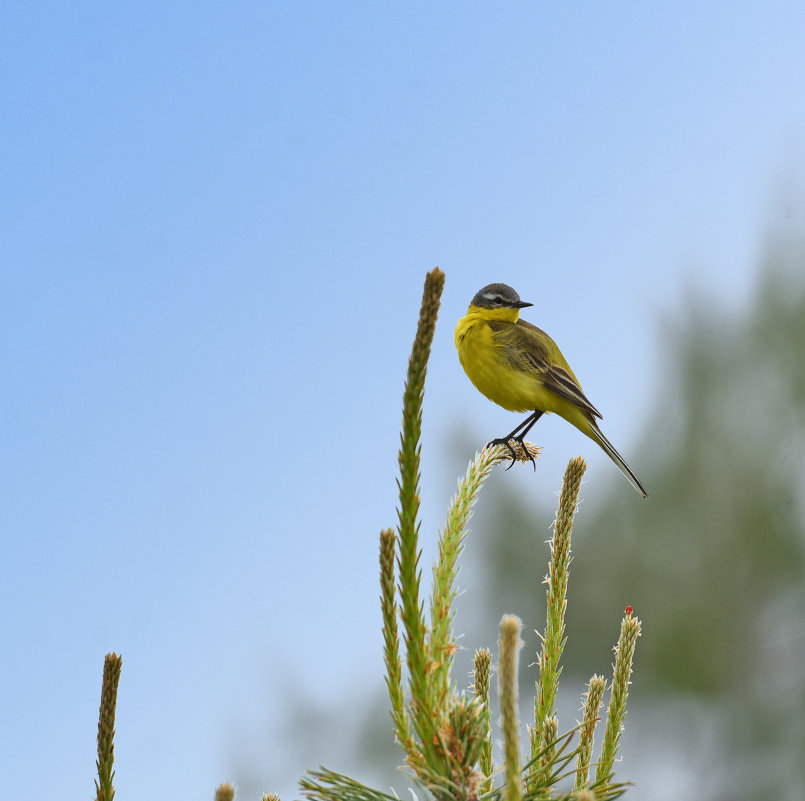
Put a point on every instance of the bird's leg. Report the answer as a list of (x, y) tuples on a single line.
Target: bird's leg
[(518, 435)]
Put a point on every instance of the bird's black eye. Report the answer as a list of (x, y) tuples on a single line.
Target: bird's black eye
[(497, 300)]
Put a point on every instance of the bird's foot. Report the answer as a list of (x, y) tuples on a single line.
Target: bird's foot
[(524, 455)]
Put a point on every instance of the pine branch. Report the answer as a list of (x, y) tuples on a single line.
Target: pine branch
[(616, 711), (391, 645), (408, 525), (592, 704), (553, 641), (104, 789), (510, 644), (441, 645), (482, 662), (226, 792)]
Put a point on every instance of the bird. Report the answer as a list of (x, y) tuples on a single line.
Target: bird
[(519, 367)]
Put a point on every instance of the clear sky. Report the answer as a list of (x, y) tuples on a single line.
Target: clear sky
[(215, 221)]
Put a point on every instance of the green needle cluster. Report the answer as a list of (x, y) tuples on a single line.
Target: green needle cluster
[(225, 792), (104, 789), (622, 672)]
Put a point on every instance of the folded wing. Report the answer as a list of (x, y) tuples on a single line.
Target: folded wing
[(529, 348)]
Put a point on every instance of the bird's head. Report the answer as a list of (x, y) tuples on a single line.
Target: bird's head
[(498, 301)]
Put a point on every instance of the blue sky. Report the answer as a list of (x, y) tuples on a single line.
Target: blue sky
[(215, 224)]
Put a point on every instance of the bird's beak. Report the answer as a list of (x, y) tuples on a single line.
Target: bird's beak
[(521, 304)]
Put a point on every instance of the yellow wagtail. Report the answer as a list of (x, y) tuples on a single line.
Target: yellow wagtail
[(519, 367)]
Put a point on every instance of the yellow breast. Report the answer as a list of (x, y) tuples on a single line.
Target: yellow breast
[(486, 364)]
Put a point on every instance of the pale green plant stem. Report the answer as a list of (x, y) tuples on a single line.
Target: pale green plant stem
[(104, 789), (483, 660), (510, 644), (410, 575), (391, 647), (553, 641), (592, 705), (441, 645), (550, 729), (616, 711)]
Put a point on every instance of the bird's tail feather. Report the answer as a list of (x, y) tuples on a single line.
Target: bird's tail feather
[(617, 458)]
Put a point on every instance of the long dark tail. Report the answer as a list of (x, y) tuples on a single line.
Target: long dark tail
[(617, 458)]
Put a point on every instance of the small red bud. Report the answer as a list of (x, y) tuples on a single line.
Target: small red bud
[(629, 610)]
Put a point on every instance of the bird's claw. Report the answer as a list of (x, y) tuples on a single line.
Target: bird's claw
[(515, 456)]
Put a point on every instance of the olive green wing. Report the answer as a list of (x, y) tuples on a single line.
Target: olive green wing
[(530, 349)]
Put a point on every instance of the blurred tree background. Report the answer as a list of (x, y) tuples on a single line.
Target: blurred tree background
[(713, 562)]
